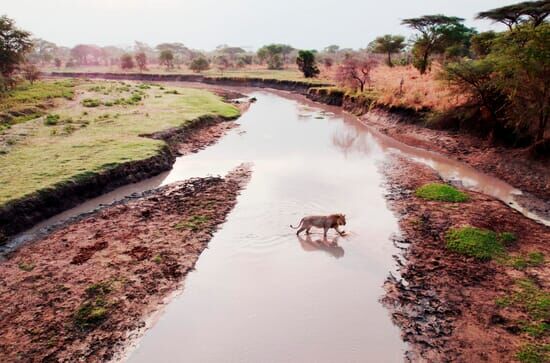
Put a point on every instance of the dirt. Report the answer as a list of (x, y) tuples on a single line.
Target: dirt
[(123, 260), (444, 302)]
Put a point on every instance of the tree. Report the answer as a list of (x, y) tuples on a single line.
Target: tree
[(306, 63), (87, 54), (437, 32), (522, 64), (57, 62), (534, 12), (126, 61), (388, 44), (332, 49), (222, 62), (481, 43), (274, 55), (14, 45), (474, 78), (199, 64), (141, 60), (166, 58), (179, 51), (355, 73), (43, 51), (30, 72)]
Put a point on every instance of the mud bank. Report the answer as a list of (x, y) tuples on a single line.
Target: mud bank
[(77, 293), (286, 85), (446, 303), (191, 137)]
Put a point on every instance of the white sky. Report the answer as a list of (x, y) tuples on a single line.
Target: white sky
[(204, 24)]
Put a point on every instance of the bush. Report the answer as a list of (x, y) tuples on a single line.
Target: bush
[(91, 102), (441, 192), (199, 64), (51, 120)]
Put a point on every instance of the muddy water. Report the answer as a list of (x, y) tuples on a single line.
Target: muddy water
[(259, 293)]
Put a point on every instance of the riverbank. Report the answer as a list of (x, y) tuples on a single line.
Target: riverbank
[(452, 306), (513, 165), (79, 292), (109, 134)]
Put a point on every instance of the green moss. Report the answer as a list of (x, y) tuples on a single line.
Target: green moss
[(28, 267), (51, 120), (194, 223), (534, 353), (533, 259), (475, 242), (157, 259), (441, 192), (536, 329), (91, 314), (99, 289)]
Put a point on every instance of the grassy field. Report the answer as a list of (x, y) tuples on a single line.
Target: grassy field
[(291, 73), (73, 140)]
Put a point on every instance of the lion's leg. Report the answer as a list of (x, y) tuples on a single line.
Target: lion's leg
[(307, 230), (341, 233), (325, 231)]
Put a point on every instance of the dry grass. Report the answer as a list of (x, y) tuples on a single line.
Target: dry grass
[(420, 92)]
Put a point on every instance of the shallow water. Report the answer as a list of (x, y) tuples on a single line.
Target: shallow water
[(259, 293)]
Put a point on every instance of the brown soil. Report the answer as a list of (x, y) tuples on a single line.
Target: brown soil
[(509, 164), (444, 302), (75, 294)]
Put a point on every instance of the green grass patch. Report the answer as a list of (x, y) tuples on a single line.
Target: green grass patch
[(193, 223), (532, 259), (537, 329), (91, 102), (441, 192), (45, 159), (534, 353), (476, 242)]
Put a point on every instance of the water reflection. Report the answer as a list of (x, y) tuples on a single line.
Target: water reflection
[(328, 245)]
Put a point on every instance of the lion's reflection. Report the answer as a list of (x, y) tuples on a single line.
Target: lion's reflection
[(329, 245)]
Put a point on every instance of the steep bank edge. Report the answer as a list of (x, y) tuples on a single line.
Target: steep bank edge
[(21, 214), (285, 85)]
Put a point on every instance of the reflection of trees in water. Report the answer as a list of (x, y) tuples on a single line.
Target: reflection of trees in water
[(328, 245), (353, 140)]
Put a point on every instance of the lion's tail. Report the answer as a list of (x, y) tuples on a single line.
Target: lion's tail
[(299, 224)]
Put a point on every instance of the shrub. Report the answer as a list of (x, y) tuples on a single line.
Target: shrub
[(51, 120), (441, 192), (91, 102), (199, 64)]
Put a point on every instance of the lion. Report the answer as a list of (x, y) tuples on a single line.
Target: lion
[(325, 222)]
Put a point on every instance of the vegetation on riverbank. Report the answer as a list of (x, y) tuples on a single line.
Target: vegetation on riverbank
[(74, 141)]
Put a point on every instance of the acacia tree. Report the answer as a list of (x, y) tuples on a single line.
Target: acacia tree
[(141, 60), (273, 54), (222, 63), (388, 44), (14, 44), (306, 63), (355, 73), (166, 58), (534, 12), (437, 32)]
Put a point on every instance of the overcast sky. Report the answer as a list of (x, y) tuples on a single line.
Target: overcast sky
[(205, 24)]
